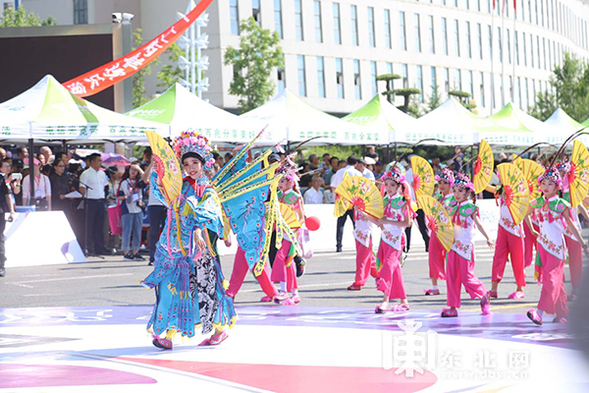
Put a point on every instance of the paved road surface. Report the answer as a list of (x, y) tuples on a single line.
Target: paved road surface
[(114, 281)]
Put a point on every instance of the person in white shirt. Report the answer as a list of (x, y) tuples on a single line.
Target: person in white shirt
[(361, 167), (42, 198), (92, 186), (336, 181), (156, 211), (314, 195)]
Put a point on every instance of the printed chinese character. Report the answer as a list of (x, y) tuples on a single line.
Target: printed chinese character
[(519, 359), (94, 81), (114, 72), (134, 62), (485, 359), (152, 48), (451, 360), (77, 88)]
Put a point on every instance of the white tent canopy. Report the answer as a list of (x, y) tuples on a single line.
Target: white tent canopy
[(49, 111), (288, 115), (381, 115), (183, 111), (565, 126), (451, 123)]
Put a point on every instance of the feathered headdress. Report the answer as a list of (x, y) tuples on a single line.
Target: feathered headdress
[(564, 166), (551, 174), (395, 175), (446, 175), (288, 170), (463, 180), (191, 142)]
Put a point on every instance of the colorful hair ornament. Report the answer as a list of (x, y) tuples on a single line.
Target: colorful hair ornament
[(551, 174), (463, 180), (395, 175), (192, 142), (447, 175)]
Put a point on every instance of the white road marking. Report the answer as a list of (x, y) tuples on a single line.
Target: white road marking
[(72, 278)]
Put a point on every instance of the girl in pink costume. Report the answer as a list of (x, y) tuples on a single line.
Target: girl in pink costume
[(437, 252), (460, 259), (554, 214), (574, 248), (283, 270), (240, 269), (510, 242), (397, 216), (365, 260)]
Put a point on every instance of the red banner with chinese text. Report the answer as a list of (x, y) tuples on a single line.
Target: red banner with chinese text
[(107, 75)]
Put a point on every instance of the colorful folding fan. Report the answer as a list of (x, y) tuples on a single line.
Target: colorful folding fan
[(483, 168), (168, 167), (515, 187), (289, 216), (423, 176), (440, 221), (531, 171), (362, 193), (579, 174)]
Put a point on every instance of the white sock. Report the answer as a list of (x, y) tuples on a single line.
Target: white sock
[(282, 286), (295, 292), (434, 287), (540, 312)]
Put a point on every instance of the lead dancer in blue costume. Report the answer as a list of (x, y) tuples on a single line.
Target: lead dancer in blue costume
[(187, 274)]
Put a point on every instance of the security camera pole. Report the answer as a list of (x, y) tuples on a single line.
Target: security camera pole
[(122, 46)]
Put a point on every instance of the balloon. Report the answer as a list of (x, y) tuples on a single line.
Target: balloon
[(312, 223)]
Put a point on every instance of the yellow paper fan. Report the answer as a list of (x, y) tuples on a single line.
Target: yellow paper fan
[(289, 216), (423, 176), (361, 193), (439, 219), (579, 175), (168, 168), (531, 171), (483, 168), (515, 188)]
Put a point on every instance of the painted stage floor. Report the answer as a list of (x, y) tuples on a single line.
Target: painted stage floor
[(288, 349)]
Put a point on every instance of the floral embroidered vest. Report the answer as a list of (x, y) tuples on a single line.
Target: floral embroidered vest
[(362, 229), (464, 229), (552, 224), (506, 220), (395, 209)]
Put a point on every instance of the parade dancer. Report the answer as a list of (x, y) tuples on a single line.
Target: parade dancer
[(460, 259), (574, 248), (240, 269), (437, 252), (365, 259), (397, 216), (553, 214), (283, 269), (509, 243), (187, 274)]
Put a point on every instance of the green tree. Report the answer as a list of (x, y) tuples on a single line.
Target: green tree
[(463, 97), (139, 97), (20, 18), (258, 53), (434, 101), (570, 91), (170, 73)]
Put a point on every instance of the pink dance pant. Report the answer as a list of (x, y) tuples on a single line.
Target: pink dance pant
[(281, 273), (240, 269), (530, 243), (391, 278), (437, 256), (553, 298), (459, 272), (365, 263), (575, 261), (509, 244)]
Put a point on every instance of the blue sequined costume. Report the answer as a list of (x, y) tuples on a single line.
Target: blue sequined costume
[(189, 284)]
